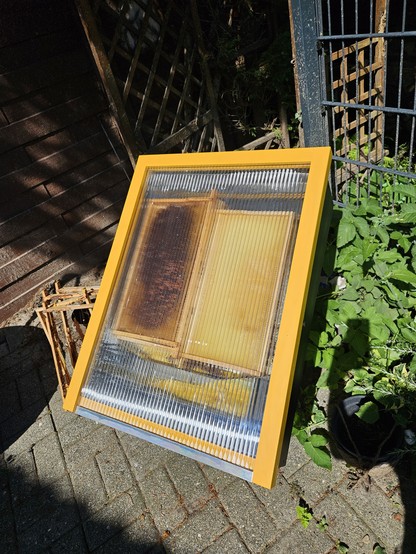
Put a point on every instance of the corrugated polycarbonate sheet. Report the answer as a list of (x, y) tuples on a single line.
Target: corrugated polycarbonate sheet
[(188, 341)]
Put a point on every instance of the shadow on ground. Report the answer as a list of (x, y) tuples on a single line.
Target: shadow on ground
[(38, 509)]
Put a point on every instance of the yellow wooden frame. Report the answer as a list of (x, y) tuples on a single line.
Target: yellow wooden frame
[(318, 161)]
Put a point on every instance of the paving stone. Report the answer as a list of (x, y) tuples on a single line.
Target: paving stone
[(72, 542), (23, 480), (75, 430), (218, 479), (47, 530), (115, 471), (99, 440), (18, 337), (143, 456), (30, 388), (229, 542), (8, 542), (112, 518), (139, 537), (4, 477), (280, 503), (313, 482), (199, 531), (15, 365), (51, 513), (378, 511), (344, 524), (190, 482), (9, 400), (81, 462), (296, 458), (4, 347), (163, 500), (247, 513), (44, 500), (88, 487), (386, 478), (303, 541), (36, 430), (62, 418), (49, 460)]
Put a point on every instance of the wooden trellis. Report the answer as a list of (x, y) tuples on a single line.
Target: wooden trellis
[(358, 78), (153, 65)]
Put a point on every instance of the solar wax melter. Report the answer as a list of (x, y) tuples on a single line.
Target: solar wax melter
[(194, 339)]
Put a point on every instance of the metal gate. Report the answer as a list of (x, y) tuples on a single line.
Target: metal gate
[(356, 73)]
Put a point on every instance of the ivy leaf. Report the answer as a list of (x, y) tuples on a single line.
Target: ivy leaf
[(346, 233), (319, 455), (368, 412)]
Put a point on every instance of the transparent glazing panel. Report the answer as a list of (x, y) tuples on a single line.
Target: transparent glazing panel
[(187, 345)]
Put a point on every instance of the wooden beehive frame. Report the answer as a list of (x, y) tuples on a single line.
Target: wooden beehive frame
[(176, 338), (62, 336)]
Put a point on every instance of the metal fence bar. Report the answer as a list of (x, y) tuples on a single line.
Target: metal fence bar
[(360, 36), (368, 91), (309, 71)]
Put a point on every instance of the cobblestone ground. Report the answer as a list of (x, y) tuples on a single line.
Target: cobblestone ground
[(70, 485)]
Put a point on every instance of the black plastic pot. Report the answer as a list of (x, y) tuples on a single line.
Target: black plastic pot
[(368, 444)]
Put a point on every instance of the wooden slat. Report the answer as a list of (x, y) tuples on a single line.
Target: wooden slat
[(208, 80), (16, 56), (49, 121), (55, 164), (168, 87), (362, 72), (360, 45), (107, 77), (42, 74), (41, 207), (59, 93), (269, 137), (153, 70), (137, 51), (182, 134)]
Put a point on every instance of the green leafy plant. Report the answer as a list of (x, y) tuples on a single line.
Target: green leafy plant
[(322, 524), (304, 514), (342, 547), (364, 336)]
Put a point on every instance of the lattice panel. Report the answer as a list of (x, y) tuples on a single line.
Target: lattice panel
[(358, 73), (153, 52)]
